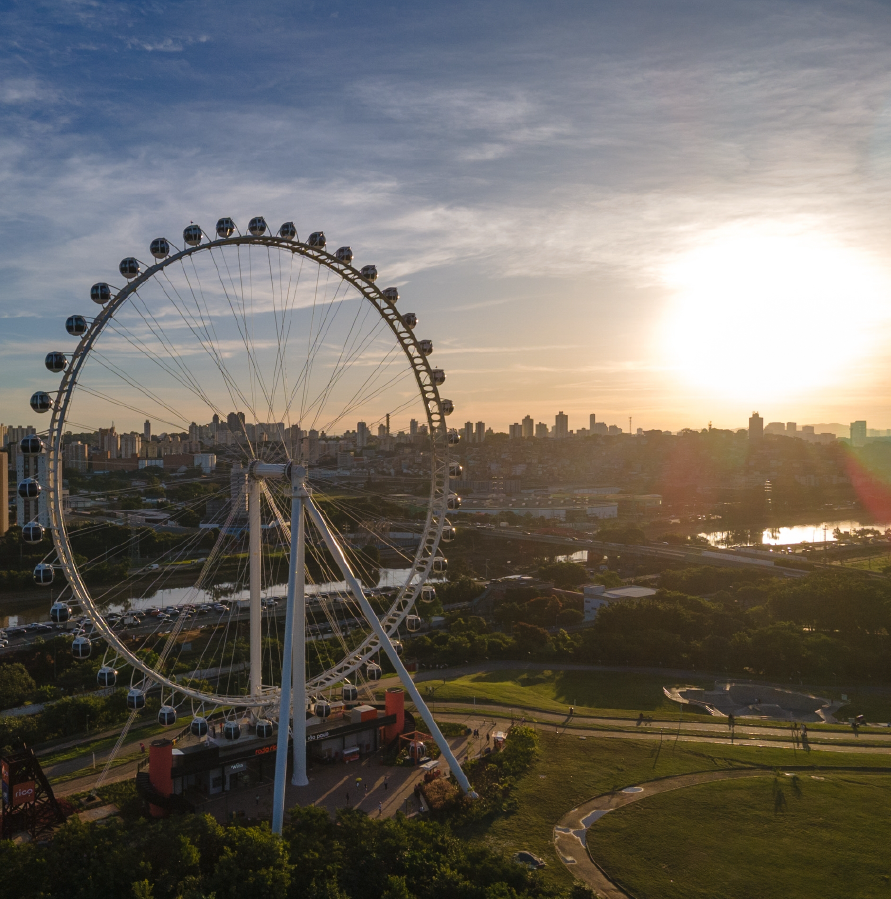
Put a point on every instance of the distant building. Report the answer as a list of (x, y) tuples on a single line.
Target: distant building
[(596, 596), (756, 427), (468, 432), (76, 455), (131, 444), (614, 430), (775, 427), (528, 427), (858, 433), (381, 431), (561, 426), (413, 428), (807, 432), (207, 462), (541, 430), (592, 420), (515, 431), (361, 435), (147, 429), (480, 431), (600, 427), (791, 429)]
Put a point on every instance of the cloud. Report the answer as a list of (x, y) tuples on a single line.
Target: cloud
[(540, 174)]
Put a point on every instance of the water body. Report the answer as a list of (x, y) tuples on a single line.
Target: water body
[(793, 535), (36, 607)]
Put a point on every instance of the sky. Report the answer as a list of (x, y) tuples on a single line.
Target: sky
[(676, 212)]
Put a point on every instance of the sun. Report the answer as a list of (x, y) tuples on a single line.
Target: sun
[(763, 312)]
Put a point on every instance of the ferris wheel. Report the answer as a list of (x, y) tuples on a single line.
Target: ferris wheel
[(303, 527)]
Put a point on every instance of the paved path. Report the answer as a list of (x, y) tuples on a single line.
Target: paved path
[(702, 732), (570, 833)]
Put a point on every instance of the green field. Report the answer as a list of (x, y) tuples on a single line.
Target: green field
[(603, 694), (738, 839), (608, 694), (570, 771)]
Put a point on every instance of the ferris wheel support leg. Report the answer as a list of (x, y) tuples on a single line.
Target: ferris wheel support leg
[(284, 709), (387, 646), (298, 635), (256, 568)]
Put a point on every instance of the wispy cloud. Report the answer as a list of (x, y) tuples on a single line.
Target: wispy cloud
[(539, 174)]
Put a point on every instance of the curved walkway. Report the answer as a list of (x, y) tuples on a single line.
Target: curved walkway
[(570, 833)]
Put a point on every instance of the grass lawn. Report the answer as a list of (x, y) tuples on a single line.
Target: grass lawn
[(570, 770), (739, 839), (604, 694), (612, 694)]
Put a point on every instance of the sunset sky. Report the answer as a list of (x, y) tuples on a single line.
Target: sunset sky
[(674, 211)]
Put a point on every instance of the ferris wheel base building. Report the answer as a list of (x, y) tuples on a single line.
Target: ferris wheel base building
[(217, 765)]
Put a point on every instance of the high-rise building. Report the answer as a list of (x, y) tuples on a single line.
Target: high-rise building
[(131, 444), (76, 455), (791, 429), (381, 431), (480, 435), (541, 430), (413, 428), (515, 431), (858, 433), (236, 421), (109, 442), (561, 426), (361, 435), (528, 427), (756, 427), (592, 420), (468, 432), (147, 430)]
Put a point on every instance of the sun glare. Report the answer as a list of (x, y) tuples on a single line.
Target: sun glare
[(763, 314)]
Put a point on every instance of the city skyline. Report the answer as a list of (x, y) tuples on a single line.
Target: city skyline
[(731, 256)]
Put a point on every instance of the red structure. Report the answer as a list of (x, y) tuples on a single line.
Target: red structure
[(394, 700), (160, 773)]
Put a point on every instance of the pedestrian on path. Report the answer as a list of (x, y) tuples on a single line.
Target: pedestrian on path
[(380, 809), (348, 799), (386, 778), (366, 789), (142, 748)]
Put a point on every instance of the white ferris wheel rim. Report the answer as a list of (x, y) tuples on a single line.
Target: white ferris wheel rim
[(437, 510)]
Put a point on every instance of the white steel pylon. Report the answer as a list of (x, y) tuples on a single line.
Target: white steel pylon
[(292, 703)]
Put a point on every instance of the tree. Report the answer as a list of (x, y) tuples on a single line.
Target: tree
[(15, 685), (530, 638), (563, 574), (569, 617)]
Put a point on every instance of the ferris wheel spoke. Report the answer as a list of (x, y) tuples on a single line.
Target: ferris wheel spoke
[(361, 393), (109, 366), (140, 346), (215, 357), (341, 369)]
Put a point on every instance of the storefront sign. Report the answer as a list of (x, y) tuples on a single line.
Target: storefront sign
[(263, 750), (23, 793), (236, 766), (313, 737)]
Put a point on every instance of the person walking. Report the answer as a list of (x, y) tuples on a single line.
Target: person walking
[(380, 809), (347, 798), (386, 778)]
